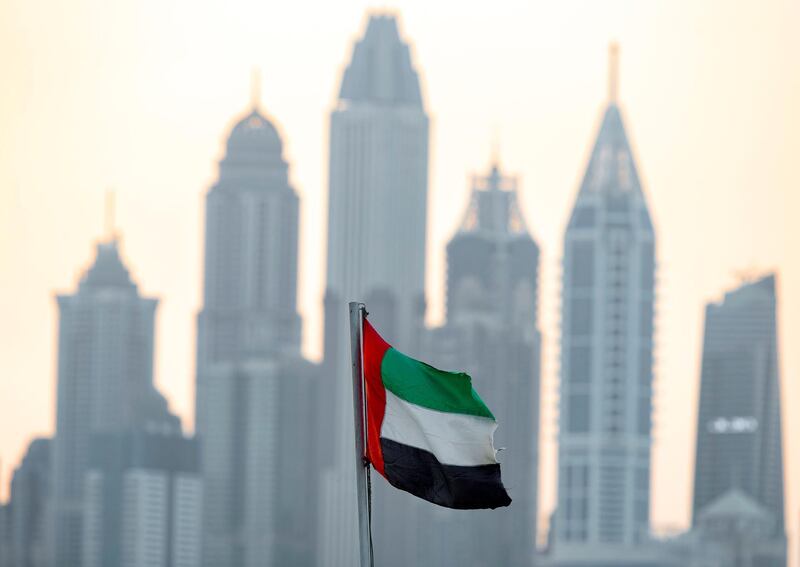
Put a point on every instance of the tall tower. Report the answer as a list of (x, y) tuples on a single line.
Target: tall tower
[(252, 214), (606, 357), (378, 184), (492, 332), (248, 359), (105, 384), (739, 442)]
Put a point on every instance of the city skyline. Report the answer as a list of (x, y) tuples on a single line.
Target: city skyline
[(549, 250)]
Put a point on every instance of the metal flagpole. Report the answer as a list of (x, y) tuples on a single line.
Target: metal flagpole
[(359, 410)]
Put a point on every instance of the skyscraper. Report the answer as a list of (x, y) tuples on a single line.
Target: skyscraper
[(105, 383), (491, 331), (254, 397), (143, 501), (378, 184), (30, 491), (739, 441), (606, 357)]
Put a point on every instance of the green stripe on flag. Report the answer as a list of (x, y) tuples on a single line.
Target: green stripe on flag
[(422, 384)]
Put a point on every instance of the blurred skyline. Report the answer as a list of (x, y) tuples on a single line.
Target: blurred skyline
[(140, 98)]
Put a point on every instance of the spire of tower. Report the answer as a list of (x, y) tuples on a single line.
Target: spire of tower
[(613, 72), (255, 88), (495, 151), (110, 228)]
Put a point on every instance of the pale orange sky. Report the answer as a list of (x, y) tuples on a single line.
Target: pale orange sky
[(139, 96)]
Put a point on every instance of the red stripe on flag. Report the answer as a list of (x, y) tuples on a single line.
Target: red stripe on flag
[(374, 350)]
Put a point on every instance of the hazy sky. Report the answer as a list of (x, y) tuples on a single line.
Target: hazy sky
[(139, 96)]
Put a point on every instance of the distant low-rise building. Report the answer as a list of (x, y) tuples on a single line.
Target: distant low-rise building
[(742, 530), (143, 501), (732, 531), (5, 535), (30, 492)]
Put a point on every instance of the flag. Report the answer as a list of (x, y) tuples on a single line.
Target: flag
[(428, 431)]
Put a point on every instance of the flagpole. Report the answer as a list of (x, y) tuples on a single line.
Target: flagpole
[(362, 466)]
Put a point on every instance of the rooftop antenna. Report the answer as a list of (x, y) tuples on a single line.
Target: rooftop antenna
[(495, 151), (255, 88), (110, 227), (613, 72)]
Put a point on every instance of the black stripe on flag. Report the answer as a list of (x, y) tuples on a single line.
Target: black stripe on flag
[(419, 472)]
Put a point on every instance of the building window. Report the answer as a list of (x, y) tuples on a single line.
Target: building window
[(580, 365), (578, 413), (581, 316), (648, 268), (647, 319), (582, 267), (583, 217)]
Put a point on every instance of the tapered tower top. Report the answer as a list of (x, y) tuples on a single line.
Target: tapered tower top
[(611, 168), (493, 207), (381, 70), (108, 269)]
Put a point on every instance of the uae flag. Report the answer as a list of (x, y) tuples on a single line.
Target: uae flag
[(428, 431)]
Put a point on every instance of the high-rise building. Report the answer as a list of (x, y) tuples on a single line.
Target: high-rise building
[(143, 501), (30, 490), (378, 186), (491, 332), (606, 358), (255, 403), (105, 384), (739, 441)]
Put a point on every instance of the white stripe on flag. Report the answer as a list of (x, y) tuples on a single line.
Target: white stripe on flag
[(454, 438)]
